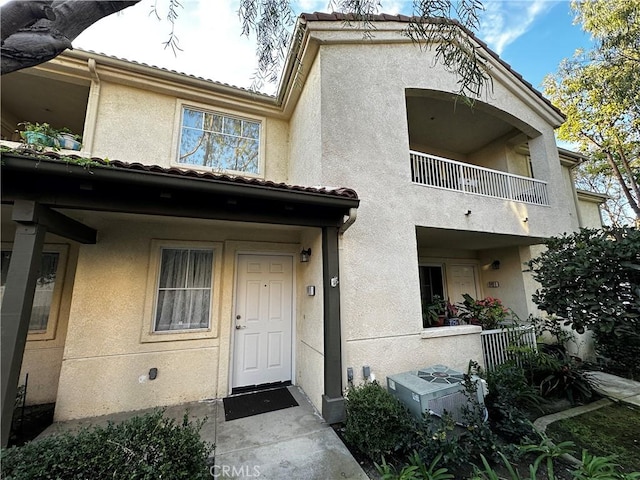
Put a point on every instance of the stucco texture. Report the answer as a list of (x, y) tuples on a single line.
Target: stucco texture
[(106, 362)]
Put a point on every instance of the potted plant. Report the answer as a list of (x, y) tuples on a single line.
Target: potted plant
[(434, 312), (488, 312), (451, 315), (69, 140), (39, 134)]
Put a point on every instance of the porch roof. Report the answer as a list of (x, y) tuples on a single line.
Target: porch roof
[(73, 182)]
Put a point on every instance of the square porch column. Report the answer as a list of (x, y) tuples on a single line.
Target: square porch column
[(333, 409)]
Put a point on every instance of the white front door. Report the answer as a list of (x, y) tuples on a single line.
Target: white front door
[(263, 320), (462, 279)]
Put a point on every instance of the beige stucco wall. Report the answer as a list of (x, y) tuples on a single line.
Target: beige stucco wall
[(134, 124), (364, 145), (389, 355), (309, 346), (511, 290), (590, 215), (106, 363)]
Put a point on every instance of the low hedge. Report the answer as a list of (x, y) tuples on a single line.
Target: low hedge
[(151, 446)]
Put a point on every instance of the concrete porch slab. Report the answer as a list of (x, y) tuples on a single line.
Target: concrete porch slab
[(290, 443)]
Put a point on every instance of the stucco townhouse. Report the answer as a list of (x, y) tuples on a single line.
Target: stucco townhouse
[(222, 238)]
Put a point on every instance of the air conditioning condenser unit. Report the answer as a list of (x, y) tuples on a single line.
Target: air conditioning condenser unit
[(434, 390)]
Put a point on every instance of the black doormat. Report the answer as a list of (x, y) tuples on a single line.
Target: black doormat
[(255, 403)]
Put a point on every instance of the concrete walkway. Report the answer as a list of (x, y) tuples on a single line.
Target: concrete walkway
[(290, 443), (616, 387)]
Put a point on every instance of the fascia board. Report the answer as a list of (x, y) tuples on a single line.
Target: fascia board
[(593, 197)]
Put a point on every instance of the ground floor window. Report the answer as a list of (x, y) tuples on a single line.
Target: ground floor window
[(431, 287), (45, 288), (184, 289)]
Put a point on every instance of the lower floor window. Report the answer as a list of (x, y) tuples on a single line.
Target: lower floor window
[(431, 288), (184, 289), (45, 287)]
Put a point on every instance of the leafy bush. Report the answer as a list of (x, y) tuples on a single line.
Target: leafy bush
[(591, 279), (142, 448), (439, 437), (377, 423), (510, 395)]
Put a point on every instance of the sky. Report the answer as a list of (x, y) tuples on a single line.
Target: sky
[(533, 36)]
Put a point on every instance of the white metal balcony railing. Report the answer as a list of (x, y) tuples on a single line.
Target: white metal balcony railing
[(497, 344), (462, 177)]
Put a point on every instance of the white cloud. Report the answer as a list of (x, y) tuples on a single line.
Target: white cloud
[(209, 35), (504, 21)]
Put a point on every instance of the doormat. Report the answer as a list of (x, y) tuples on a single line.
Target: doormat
[(256, 403)]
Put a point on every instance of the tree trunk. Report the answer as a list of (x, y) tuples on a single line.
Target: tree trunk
[(35, 32), (625, 188)]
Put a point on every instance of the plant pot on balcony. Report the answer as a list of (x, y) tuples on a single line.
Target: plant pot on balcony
[(37, 138), (69, 142)]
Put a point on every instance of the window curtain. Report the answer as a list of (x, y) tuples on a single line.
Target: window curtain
[(184, 289)]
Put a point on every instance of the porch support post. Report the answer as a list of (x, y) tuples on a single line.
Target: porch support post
[(333, 409), (16, 312)]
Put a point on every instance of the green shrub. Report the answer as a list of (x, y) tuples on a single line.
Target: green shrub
[(457, 446), (377, 423), (620, 352), (591, 279), (144, 447), (437, 437), (510, 396)]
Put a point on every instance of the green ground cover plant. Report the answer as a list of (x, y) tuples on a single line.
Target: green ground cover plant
[(611, 430), (145, 447)]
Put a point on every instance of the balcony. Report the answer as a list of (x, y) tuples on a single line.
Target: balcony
[(438, 172)]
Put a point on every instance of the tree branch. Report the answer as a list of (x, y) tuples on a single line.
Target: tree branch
[(17, 15), (623, 184), (45, 36)]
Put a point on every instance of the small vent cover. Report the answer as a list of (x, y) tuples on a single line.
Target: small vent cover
[(441, 374)]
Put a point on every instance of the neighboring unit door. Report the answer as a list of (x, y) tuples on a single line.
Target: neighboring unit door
[(263, 320), (462, 279)]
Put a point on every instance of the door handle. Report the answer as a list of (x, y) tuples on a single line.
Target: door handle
[(239, 327)]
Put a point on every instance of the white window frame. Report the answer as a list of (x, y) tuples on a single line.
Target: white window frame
[(149, 333), (54, 310), (181, 104)]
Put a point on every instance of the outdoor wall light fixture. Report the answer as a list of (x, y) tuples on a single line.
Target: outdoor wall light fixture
[(305, 255), (467, 213), (495, 265)]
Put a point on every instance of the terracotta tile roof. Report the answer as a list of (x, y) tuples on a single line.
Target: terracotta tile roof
[(186, 173), (383, 17), (170, 70)]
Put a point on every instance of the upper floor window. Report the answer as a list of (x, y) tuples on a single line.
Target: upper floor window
[(219, 141)]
